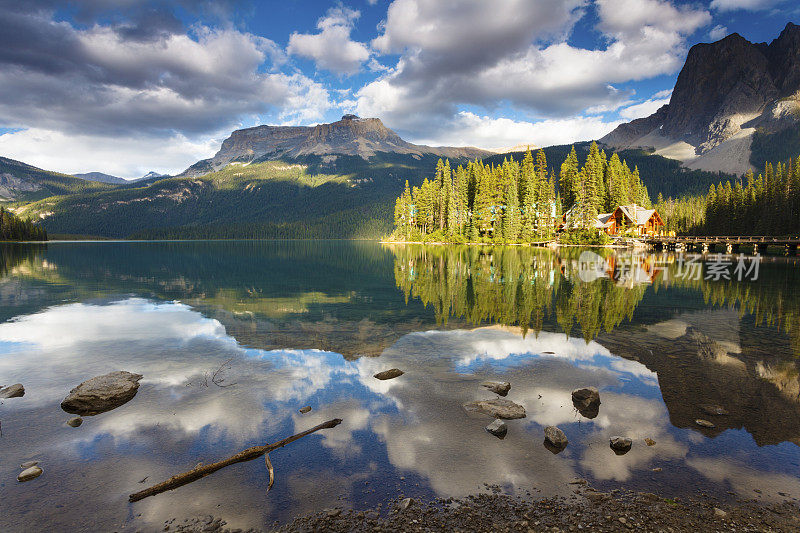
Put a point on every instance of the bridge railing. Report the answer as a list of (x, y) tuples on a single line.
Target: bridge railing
[(728, 239)]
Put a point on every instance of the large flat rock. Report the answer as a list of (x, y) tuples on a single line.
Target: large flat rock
[(498, 408), (102, 393)]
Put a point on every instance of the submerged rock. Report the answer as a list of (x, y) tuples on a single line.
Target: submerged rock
[(498, 428), (498, 408), (28, 464), (389, 374), (704, 423), (75, 422), (555, 437), (587, 401), (713, 410), (12, 391), (620, 445), (29, 474), (650, 442), (306, 409), (497, 387), (102, 393)]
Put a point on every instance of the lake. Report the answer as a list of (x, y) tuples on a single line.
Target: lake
[(232, 338)]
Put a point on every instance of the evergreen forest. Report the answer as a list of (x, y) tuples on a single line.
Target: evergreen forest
[(516, 202)]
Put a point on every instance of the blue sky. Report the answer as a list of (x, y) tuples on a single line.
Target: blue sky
[(128, 86)]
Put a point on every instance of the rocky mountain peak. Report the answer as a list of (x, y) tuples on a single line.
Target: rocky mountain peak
[(724, 91), (350, 136)]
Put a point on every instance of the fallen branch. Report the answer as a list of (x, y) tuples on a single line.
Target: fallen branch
[(202, 471)]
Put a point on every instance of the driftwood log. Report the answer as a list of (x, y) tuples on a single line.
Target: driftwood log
[(249, 454)]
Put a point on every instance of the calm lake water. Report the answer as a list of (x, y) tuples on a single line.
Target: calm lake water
[(290, 324)]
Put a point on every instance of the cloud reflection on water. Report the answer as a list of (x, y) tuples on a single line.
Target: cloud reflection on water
[(412, 425)]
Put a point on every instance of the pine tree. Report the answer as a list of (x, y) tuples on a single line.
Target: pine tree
[(567, 181)]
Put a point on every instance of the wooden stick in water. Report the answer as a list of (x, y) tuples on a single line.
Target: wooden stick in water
[(202, 471)]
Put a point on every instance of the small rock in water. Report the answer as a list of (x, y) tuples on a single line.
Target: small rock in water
[(620, 445), (719, 513), (498, 408), (12, 391), (389, 374), (704, 423), (587, 401), (29, 474), (497, 387), (101, 393), (498, 428), (657, 469), (713, 410), (586, 395), (650, 442), (75, 422), (306, 409), (405, 504), (28, 464), (555, 437)]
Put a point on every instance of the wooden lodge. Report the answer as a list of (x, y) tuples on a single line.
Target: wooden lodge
[(625, 219)]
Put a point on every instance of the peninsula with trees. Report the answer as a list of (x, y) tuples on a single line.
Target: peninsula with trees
[(520, 202)]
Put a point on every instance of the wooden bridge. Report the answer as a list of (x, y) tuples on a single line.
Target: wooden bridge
[(729, 243)]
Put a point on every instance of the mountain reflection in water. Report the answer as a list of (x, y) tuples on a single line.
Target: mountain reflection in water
[(310, 323)]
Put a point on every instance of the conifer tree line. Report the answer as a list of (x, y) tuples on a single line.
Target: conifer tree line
[(12, 228), (516, 202), (766, 204)]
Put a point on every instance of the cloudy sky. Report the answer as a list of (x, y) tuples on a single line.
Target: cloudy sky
[(129, 86)]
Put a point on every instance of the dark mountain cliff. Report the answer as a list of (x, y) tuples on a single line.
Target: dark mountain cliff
[(725, 92)]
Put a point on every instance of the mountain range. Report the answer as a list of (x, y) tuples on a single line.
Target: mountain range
[(735, 104), (350, 136)]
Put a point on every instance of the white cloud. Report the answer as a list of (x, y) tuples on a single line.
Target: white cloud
[(96, 80), (643, 109), (746, 5), (127, 157), (717, 32), (442, 68), (332, 49), (474, 130)]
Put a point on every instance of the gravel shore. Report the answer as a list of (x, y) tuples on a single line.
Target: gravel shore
[(587, 510)]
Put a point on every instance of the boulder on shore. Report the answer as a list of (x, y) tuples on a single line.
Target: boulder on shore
[(12, 391), (497, 387), (101, 393), (389, 374), (498, 408), (555, 437)]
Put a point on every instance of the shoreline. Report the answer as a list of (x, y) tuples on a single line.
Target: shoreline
[(585, 510), (549, 244)]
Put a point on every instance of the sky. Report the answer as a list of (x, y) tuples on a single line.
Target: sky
[(131, 86)]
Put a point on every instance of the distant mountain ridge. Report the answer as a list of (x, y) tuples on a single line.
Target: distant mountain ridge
[(350, 136), (100, 177), (726, 92)]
